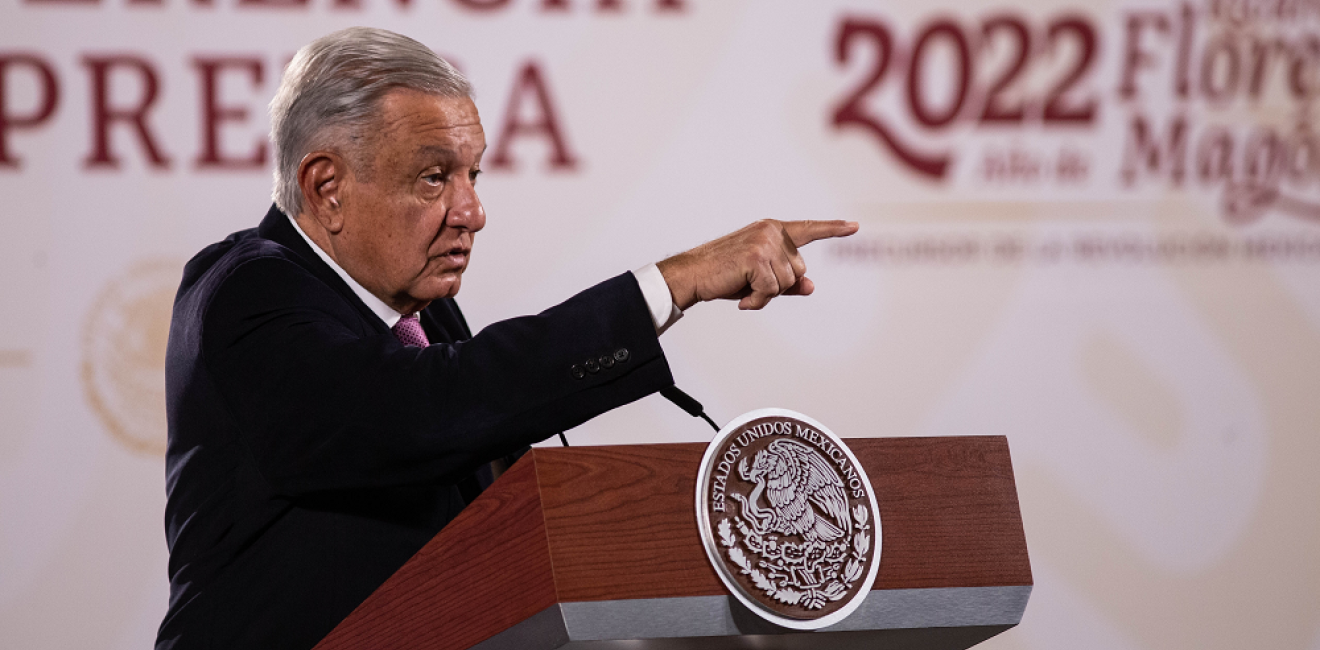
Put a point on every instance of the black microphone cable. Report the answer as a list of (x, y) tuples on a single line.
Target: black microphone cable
[(684, 401), (681, 400)]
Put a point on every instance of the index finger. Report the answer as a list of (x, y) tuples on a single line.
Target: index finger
[(805, 232)]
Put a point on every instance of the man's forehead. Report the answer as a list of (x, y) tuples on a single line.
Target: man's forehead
[(403, 103), (425, 129), (430, 152)]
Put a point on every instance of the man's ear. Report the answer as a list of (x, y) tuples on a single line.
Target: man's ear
[(321, 177)]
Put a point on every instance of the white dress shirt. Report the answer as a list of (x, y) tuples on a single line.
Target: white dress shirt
[(654, 290)]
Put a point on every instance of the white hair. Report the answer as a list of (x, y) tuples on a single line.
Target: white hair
[(331, 92)]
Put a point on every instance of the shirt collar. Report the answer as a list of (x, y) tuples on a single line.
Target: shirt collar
[(376, 305)]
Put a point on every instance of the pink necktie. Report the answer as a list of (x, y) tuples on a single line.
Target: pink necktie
[(409, 330)]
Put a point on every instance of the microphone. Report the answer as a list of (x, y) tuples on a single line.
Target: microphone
[(684, 401)]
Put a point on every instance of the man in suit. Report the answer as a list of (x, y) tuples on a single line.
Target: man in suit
[(329, 410)]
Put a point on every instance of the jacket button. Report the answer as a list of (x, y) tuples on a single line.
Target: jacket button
[(577, 371), (606, 361), (621, 355), (591, 366)]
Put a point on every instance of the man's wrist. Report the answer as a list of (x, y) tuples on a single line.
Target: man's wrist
[(659, 298), (679, 290)]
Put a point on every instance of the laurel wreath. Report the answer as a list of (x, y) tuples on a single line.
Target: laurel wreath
[(814, 598)]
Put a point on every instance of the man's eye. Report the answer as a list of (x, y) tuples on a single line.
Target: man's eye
[(434, 179), (472, 177)]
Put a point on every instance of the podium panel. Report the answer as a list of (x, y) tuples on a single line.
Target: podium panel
[(597, 547)]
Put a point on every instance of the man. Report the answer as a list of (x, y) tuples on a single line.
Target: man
[(329, 411)]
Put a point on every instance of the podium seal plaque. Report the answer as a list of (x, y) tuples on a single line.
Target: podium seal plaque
[(788, 519)]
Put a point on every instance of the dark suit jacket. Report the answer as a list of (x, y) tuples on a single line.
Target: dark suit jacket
[(311, 454)]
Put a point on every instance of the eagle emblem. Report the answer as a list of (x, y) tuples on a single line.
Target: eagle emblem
[(797, 481), (787, 516)]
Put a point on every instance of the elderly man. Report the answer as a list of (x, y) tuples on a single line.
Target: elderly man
[(329, 411)]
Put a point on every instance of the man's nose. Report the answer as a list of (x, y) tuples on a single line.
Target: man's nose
[(466, 211)]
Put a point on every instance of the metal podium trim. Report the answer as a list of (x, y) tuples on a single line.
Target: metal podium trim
[(646, 624)]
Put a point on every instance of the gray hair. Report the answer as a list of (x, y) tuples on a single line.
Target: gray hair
[(331, 92)]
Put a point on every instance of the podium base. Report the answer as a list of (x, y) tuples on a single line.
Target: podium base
[(929, 619)]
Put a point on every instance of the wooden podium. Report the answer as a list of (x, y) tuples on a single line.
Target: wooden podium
[(597, 547)]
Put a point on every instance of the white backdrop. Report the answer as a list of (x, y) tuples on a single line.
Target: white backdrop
[(1108, 253)]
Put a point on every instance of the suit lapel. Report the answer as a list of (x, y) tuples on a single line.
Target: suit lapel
[(277, 228), (444, 323)]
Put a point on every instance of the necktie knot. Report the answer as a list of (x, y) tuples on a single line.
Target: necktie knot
[(409, 331)]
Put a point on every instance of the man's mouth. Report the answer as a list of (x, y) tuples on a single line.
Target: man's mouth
[(456, 257)]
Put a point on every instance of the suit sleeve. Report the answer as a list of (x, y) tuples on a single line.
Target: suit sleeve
[(322, 405)]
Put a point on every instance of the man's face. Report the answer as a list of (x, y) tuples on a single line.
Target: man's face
[(410, 219)]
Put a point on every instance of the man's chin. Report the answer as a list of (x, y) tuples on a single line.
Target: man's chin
[(437, 288)]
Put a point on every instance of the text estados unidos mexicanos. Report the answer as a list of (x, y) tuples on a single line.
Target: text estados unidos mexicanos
[(729, 458)]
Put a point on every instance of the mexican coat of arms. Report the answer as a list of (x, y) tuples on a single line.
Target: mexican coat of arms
[(788, 519)]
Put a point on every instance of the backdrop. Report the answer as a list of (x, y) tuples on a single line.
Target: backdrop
[(1088, 226)]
